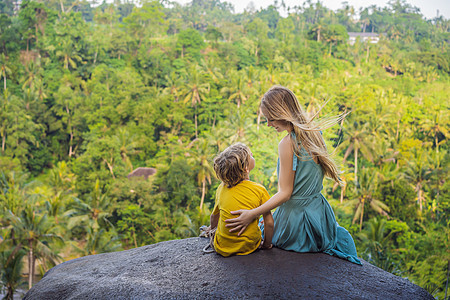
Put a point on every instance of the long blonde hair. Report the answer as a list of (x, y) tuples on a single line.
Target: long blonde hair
[(280, 104)]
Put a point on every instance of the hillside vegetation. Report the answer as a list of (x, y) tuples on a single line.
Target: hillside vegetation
[(88, 94)]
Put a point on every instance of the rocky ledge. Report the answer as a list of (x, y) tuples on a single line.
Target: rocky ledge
[(179, 270)]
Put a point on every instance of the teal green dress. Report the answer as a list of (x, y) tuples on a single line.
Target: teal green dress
[(306, 222)]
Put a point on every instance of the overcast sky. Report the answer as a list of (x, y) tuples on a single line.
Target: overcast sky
[(427, 7)]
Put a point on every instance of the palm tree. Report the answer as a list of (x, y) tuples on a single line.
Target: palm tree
[(54, 201), (289, 76), (238, 126), (4, 69), (68, 53), (35, 231), (398, 113), (68, 100), (33, 71), (318, 29), (61, 177), (5, 117), (210, 67), (357, 139), (33, 78), (185, 227), (12, 192), (173, 83), (346, 178), (188, 224), (368, 186), (377, 241), (264, 82), (436, 126), (11, 264), (238, 89), (201, 158), (92, 213), (128, 146), (29, 97), (195, 90), (219, 136), (418, 173), (312, 91), (365, 21), (333, 38), (100, 241), (375, 232), (56, 193), (395, 33)]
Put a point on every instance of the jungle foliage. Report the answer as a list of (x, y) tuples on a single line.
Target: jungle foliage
[(89, 93)]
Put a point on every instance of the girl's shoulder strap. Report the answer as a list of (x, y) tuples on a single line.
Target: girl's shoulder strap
[(298, 148), (297, 142)]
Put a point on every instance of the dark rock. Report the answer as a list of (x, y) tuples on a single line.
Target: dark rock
[(142, 172), (179, 270)]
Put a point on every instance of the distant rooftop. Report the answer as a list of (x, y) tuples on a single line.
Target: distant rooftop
[(363, 34), (371, 37), (142, 172)]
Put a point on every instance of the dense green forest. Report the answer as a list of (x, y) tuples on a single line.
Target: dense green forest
[(89, 93)]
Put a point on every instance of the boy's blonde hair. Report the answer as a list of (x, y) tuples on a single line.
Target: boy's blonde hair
[(231, 165)]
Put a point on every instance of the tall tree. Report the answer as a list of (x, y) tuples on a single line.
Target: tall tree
[(366, 195), (238, 89), (417, 172), (35, 231), (11, 263), (18, 130), (357, 139), (147, 20), (257, 30), (99, 241), (201, 159), (93, 212), (195, 90), (69, 102), (4, 69)]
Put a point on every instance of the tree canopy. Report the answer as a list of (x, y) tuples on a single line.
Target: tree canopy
[(89, 93)]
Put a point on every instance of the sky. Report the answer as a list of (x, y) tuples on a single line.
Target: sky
[(427, 7)]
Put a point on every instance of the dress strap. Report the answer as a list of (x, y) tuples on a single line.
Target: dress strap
[(295, 158), (294, 162)]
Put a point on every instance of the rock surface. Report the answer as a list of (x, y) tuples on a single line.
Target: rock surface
[(179, 270)]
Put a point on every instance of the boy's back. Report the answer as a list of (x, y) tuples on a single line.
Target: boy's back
[(245, 195)]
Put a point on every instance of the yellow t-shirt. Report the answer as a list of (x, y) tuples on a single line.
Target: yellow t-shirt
[(245, 195)]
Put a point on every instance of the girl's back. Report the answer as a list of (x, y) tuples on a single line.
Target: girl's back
[(306, 222)]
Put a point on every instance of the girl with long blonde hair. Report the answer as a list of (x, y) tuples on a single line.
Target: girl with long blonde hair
[(304, 220)]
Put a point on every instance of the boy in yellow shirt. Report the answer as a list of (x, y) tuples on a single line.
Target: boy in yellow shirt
[(236, 191)]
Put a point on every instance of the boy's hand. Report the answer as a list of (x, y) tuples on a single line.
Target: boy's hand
[(265, 246)]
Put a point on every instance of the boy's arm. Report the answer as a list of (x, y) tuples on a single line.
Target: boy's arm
[(215, 215), (214, 220), (268, 230)]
